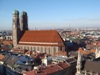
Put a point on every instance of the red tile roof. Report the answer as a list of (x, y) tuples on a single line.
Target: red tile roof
[(92, 51), (33, 72), (50, 69), (86, 51), (96, 43), (70, 60), (46, 36), (63, 65), (45, 71), (7, 42), (1, 56), (83, 51)]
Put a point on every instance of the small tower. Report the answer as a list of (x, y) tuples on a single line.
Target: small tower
[(78, 66), (15, 27), (23, 21)]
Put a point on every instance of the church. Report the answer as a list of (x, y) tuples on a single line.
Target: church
[(44, 41)]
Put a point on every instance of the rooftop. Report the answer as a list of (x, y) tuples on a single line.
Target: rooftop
[(42, 37)]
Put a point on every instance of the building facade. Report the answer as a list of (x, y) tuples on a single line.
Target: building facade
[(45, 41)]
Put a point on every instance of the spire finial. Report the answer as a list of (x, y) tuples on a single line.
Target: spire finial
[(78, 67)]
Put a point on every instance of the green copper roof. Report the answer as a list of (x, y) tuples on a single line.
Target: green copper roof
[(23, 13), (15, 12)]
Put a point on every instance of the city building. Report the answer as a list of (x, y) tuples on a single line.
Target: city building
[(45, 41), (88, 67)]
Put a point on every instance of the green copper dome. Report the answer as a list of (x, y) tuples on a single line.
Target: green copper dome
[(15, 12), (23, 13)]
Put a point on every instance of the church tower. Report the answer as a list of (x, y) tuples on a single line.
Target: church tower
[(23, 21), (15, 27), (78, 66)]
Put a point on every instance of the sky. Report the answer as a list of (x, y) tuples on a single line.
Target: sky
[(51, 14)]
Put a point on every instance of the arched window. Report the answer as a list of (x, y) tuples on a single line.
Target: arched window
[(34, 48), (45, 49), (37, 48), (41, 49), (54, 49), (49, 50), (60, 48), (30, 48)]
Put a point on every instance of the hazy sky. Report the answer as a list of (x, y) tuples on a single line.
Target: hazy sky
[(52, 14)]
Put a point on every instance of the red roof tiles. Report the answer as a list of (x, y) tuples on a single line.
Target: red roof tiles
[(86, 51), (51, 36), (48, 70), (63, 65), (7, 42), (1, 56), (33, 72)]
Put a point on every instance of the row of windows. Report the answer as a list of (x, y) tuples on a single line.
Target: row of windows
[(41, 49)]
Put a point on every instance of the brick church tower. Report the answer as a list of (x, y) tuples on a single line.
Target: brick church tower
[(19, 25), (15, 27), (23, 21)]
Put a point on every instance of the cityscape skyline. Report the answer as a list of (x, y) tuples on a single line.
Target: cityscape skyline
[(50, 37), (51, 14)]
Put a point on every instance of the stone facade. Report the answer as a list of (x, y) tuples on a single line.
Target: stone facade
[(41, 49)]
